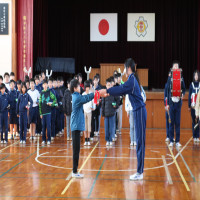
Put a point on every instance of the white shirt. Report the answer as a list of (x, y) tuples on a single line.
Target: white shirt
[(87, 107), (35, 95), (7, 86)]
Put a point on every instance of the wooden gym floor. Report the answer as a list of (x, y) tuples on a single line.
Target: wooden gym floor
[(33, 171)]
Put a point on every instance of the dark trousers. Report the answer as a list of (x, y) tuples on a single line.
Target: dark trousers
[(46, 124), (62, 116), (140, 118), (4, 124), (175, 115), (167, 123), (39, 123), (23, 120), (194, 131), (95, 123), (53, 122), (76, 149), (58, 121)]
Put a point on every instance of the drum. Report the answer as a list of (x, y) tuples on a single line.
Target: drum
[(193, 100), (176, 75)]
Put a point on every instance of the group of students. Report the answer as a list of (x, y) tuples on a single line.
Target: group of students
[(173, 107), (36, 103)]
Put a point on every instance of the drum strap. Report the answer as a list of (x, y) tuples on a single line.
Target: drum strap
[(196, 88)]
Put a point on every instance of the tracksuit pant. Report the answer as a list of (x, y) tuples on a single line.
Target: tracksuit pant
[(76, 149), (140, 117), (23, 120), (4, 124), (39, 123), (46, 125), (109, 128), (175, 115), (53, 122), (194, 131), (167, 123), (58, 121)]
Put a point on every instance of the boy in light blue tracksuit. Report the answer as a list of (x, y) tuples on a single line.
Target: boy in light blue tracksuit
[(132, 88), (24, 102), (4, 102), (77, 121)]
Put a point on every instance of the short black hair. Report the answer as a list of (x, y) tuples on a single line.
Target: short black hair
[(115, 76), (112, 79), (74, 84), (12, 74), (91, 82), (23, 85), (19, 82), (1, 77), (95, 77), (27, 81), (75, 76), (108, 80), (129, 62), (176, 62), (115, 72), (12, 81), (87, 84), (79, 75), (32, 80), (37, 77), (2, 86), (6, 74), (119, 75), (50, 79), (98, 75), (196, 71), (45, 81), (26, 78)]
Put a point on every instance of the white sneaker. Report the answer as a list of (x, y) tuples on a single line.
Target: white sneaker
[(111, 143), (136, 177), (197, 140), (24, 142), (21, 141), (70, 139), (92, 139), (48, 143), (85, 144), (43, 142), (1, 141), (67, 138), (132, 143), (77, 175), (171, 144), (52, 138), (167, 140), (107, 143), (178, 144), (113, 139), (116, 135), (88, 143), (135, 143), (5, 142)]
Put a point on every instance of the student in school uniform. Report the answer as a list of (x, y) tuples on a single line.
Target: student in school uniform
[(7, 81), (4, 103), (132, 88), (45, 105), (77, 122), (174, 105), (37, 84), (12, 111), (1, 79), (24, 103), (192, 99), (33, 111), (19, 87), (67, 106), (53, 110)]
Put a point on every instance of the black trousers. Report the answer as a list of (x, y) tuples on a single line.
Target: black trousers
[(95, 123), (76, 149)]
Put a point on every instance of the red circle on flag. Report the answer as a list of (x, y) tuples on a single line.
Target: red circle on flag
[(103, 27)]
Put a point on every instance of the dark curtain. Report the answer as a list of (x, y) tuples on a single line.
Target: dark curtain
[(68, 34), (198, 56)]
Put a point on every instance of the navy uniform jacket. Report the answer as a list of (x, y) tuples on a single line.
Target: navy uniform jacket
[(165, 94), (22, 102), (132, 88), (4, 102), (169, 99), (39, 88), (193, 90), (13, 97)]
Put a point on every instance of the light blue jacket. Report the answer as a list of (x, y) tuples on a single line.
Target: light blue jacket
[(77, 116)]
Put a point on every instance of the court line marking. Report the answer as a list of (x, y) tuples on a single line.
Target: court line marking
[(67, 186), (96, 177), (4, 158), (187, 166), (9, 146), (169, 178), (179, 170)]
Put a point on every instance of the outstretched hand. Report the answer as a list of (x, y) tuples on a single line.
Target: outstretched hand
[(103, 93)]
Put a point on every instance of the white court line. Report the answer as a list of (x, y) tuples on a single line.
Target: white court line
[(96, 170), (167, 171), (155, 151)]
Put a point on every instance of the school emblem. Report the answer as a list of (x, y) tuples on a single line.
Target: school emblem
[(141, 27)]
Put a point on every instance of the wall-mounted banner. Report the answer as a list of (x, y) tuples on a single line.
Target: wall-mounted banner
[(25, 38), (103, 27), (4, 19), (141, 27)]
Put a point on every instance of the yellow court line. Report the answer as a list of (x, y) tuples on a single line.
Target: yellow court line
[(179, 170), (8, 146), (67, 186)]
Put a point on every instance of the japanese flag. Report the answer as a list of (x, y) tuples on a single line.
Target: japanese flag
[(103, 27)]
